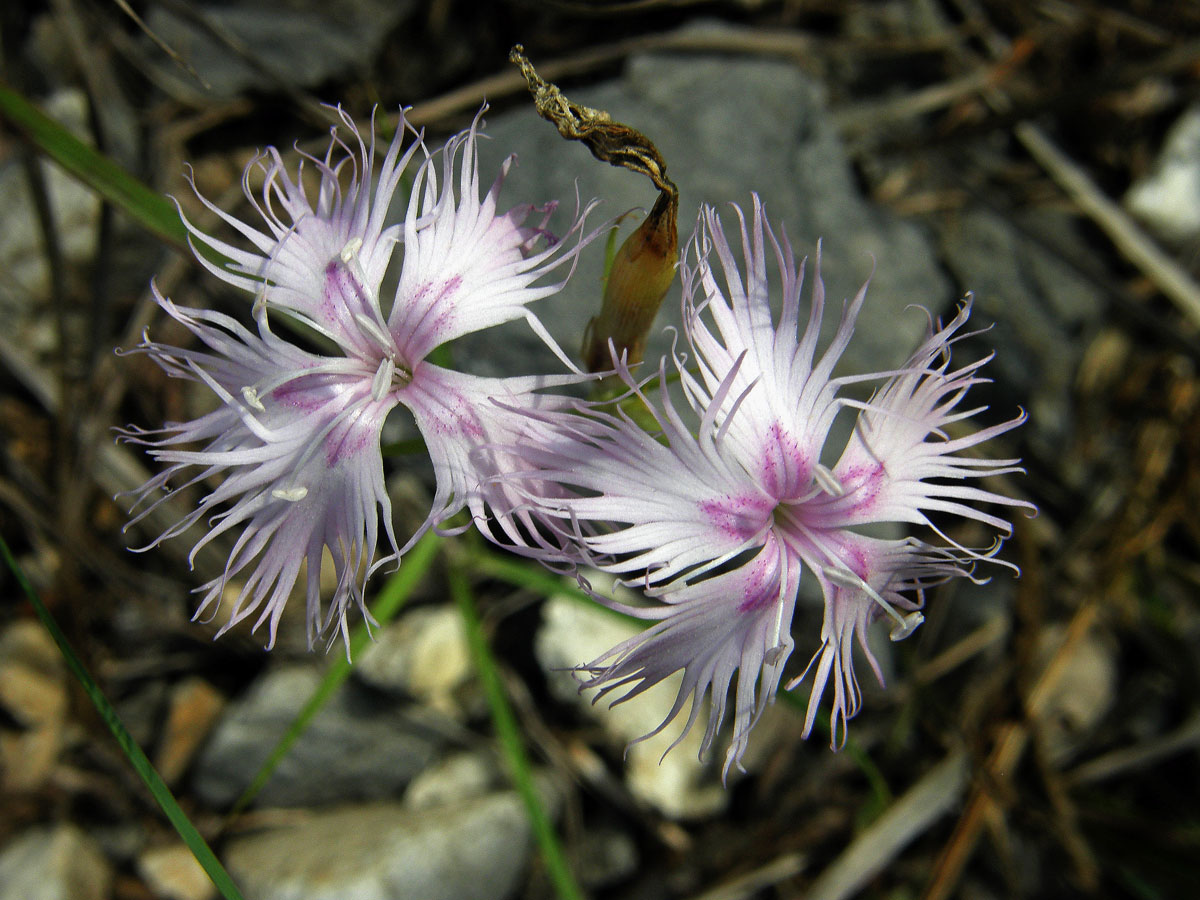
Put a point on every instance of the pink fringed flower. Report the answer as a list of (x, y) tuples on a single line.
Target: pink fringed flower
[(720, 524), (296, 433)]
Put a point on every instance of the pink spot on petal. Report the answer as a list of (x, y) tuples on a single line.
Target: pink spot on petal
[(337, 288), (863, 484), (784, 464), (738, 517), (301, 393), (349, 439), (449, 287), (762, 590)]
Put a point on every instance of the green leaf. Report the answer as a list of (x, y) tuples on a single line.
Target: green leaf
[(147, 207), (395, 593), (158, 788)]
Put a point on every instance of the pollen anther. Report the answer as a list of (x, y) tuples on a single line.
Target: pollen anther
[(250, 395), (827, 481), (350, 251), (373, 331), (906, 624), (292, 494), (382, 382)]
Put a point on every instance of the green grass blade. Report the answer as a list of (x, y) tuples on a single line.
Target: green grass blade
[(522, 574), (147, 207), (881, 794), (395, 593), (509, 733), (533, 577), (158, 788)]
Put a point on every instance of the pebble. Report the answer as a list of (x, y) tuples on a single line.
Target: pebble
[(1167, 198), (76, 211), (60, 863), (474, 850), (455, 779), (358, 746), (173, 873), (424, 656), (677, 785), (192, 712), (1083, 695), (33, 692)]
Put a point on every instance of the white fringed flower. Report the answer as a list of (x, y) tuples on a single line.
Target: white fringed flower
[(720, 526), (296, 433)]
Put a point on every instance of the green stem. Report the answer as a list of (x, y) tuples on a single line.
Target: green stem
[(509, 733), (137, 758)]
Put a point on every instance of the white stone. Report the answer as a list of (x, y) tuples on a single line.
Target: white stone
[(424, 655), (54, 864), (1084, 693), (173, 873), (1167, 198), (76, 211), (678, 785), (466, 851)]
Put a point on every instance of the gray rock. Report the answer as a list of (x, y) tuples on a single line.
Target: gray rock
[(455, 779), (61, 863), (423, 655), (464, 851), (299, 42), (726, 127), (356, 747)]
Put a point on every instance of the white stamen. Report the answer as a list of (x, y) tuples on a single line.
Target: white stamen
[(250, 395), (350, 251), (259, 310), (350, 259), (911, 621), (776, 652), (292, 495), (905, 624), (382, 382), (373, 331), (772, 656), (827, 481), (778, 622)]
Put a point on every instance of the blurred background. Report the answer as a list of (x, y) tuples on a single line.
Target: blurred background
[(1038, 737)]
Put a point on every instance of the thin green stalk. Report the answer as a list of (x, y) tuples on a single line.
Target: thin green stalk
[(521, 574), (395, 593), (881, 794), (533, 577), (509, 733), (141, 764)]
